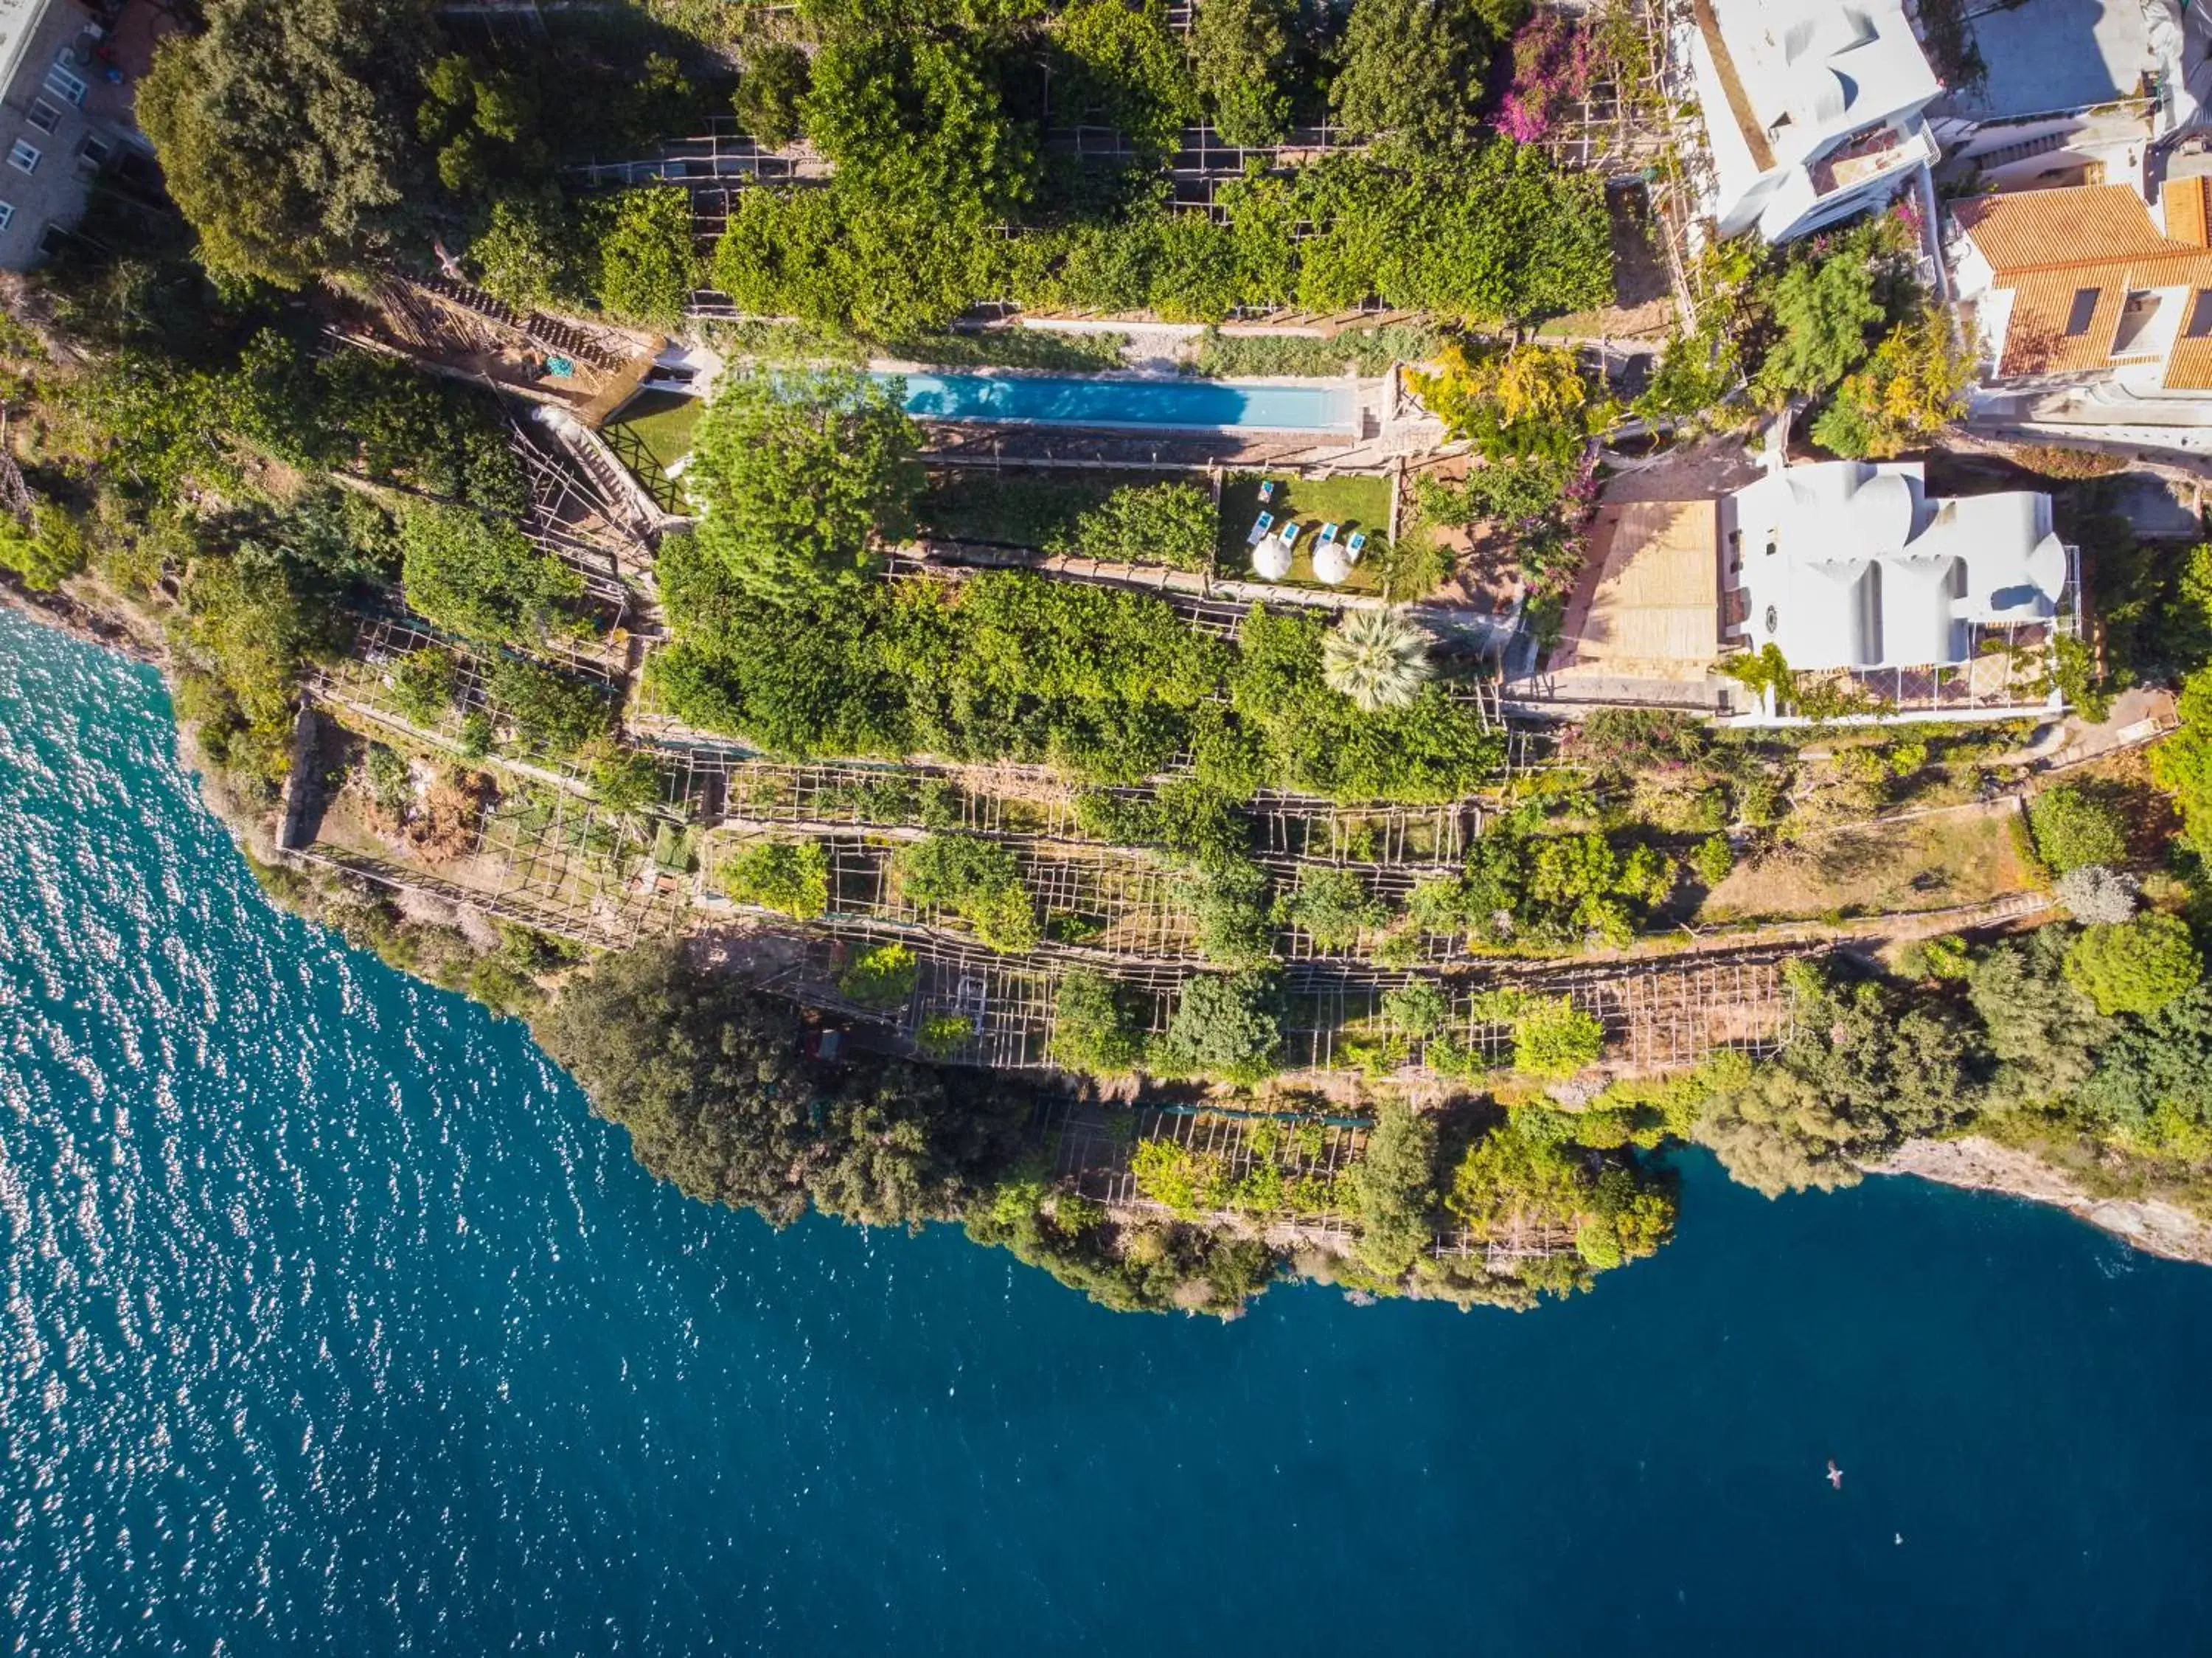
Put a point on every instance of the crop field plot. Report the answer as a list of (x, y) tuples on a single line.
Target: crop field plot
[(1191, 1164), (532, 855), (1119, 906), (1944, 861), (367, 680), (1318, 832)]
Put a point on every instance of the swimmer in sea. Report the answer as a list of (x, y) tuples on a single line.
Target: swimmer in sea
[(1835, 1474)]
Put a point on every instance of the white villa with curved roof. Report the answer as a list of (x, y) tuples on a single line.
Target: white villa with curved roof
[(1852, 564), (1813, 109)]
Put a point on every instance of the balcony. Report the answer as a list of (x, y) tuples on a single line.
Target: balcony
[(1868, 155)]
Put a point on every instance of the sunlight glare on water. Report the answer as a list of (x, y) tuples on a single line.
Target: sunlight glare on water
[(334, 1322)]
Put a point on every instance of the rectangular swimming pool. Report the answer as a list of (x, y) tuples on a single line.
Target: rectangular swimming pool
[(1161, 405)]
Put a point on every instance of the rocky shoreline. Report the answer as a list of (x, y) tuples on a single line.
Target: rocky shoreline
[(2150, 1224)]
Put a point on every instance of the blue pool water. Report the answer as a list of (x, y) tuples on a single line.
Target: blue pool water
[(1135, 404), (334, 1324)]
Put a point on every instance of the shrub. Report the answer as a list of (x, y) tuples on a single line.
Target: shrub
[(1332, 906), (424, 683), (1419, 1009), (626, 780), (2136, 967), (1095, 1027), (1556, 1039), (2074, 828), (49, 552), (1377, 659), (2092, 894), (476, 736), (882, 977), (1226, 900), (792, 877), (1945, 956), (2056, 461), (1170, 524), (975, 878), (1552, 1037), (1224, 1027), (550, 711), (385, 774), (1713, 859), (943, 1034)]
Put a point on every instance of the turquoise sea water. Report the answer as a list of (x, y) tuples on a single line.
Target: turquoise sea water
[(333, 1323), (1136, 404)]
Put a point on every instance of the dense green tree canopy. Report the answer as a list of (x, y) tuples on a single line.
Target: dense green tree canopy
[(1825, 309), (916, 123), (771, 94), (797, 477), (1412, 69), (706, 1074), (643, 242), (283, 130), (2044, 1033), (1239, 48), (1867, 1069), (2135, 967), (483, 577), (1120, 67)]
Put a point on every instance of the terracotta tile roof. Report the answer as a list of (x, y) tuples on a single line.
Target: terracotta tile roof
[(2190, 367), (2037, 340), (2051, 249), (2050, 229), (2187, 218)]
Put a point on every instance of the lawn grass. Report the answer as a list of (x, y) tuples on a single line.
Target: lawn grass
[(1354, 503), (651, 433), (1016, 509)]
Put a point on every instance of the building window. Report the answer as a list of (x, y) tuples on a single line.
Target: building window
[(93, 153), (2084, 311), (44, 116), (64, 83), (7, 214), (23, 157), (2199, 325)]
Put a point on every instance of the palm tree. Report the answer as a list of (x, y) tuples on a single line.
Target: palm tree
[(1377, 659)]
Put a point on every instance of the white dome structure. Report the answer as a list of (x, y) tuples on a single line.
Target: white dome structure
[(2047, 567), (1331, 564), (1270, 559)]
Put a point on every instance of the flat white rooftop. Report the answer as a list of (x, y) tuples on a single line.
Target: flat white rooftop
[(2049, 55)]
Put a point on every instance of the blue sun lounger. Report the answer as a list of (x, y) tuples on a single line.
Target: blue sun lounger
[(1261, 526)]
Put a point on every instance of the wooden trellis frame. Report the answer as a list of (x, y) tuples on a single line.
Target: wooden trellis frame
[(359, 682), (555, 862), (1089, 1160), (1128, 894), (572, 517)]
